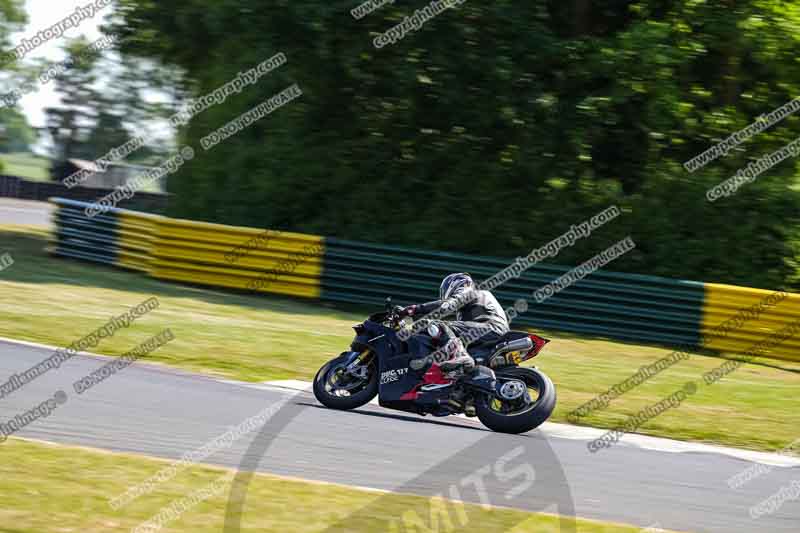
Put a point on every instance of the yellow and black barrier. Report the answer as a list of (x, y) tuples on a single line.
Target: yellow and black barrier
[(610, 304), (238, 258), (742, 320), (189, 251), (136, 233)]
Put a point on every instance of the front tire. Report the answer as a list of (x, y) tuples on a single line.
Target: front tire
[(525, 418), (331, 375)]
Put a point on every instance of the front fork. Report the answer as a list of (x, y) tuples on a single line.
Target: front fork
[(357, 363)]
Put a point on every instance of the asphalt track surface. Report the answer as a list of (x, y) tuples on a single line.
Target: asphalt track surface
[(162, 412), (24, 212)]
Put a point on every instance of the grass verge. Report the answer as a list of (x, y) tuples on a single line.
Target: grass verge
[(51, 488), (26, 165), (256, 338)]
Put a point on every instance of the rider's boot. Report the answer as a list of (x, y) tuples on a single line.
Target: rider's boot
[(459, 362)]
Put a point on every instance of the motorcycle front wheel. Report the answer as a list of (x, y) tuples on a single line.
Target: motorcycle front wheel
[(336, 389), (523, 414)]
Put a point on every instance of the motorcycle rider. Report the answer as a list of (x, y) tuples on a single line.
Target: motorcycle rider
[(479, 318)]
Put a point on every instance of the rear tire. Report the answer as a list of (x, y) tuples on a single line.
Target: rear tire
[(527, 419), (359, 398)]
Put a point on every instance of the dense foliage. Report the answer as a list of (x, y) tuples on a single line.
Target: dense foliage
[(497, 125), (16, 135), (101, 108)]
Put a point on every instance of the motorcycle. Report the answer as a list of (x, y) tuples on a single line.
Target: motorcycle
[(406, 376)]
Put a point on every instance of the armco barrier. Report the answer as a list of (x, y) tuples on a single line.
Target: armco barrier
[(79, 237), (136, 233), (194, 252), (723, 301), (622, 306), (118, 237), (283, 263)]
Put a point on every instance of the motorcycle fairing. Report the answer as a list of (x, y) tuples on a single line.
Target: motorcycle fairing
[(395, 379)]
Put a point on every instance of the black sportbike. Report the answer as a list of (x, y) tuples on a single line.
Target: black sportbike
[(405, 375)]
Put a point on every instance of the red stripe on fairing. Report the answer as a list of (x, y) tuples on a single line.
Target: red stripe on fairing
[(434, 376), (412, 394)]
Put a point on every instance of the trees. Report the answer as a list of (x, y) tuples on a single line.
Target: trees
[(101, 107), (18, 135), (12, 18), (495, 126), (70, 123), (12, 73)]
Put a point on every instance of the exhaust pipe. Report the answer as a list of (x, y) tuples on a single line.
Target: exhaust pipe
[(519, 345)]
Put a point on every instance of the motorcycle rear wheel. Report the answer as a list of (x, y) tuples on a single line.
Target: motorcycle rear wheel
[(502, 417), (336, 390)]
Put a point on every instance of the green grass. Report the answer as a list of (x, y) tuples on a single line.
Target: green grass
[(26, 165), (49, 488), (258, 338)]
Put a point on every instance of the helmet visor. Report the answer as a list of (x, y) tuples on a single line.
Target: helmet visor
[(453, 285)]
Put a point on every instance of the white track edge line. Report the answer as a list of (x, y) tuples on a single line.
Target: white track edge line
[(584, 433), (552, 429)]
